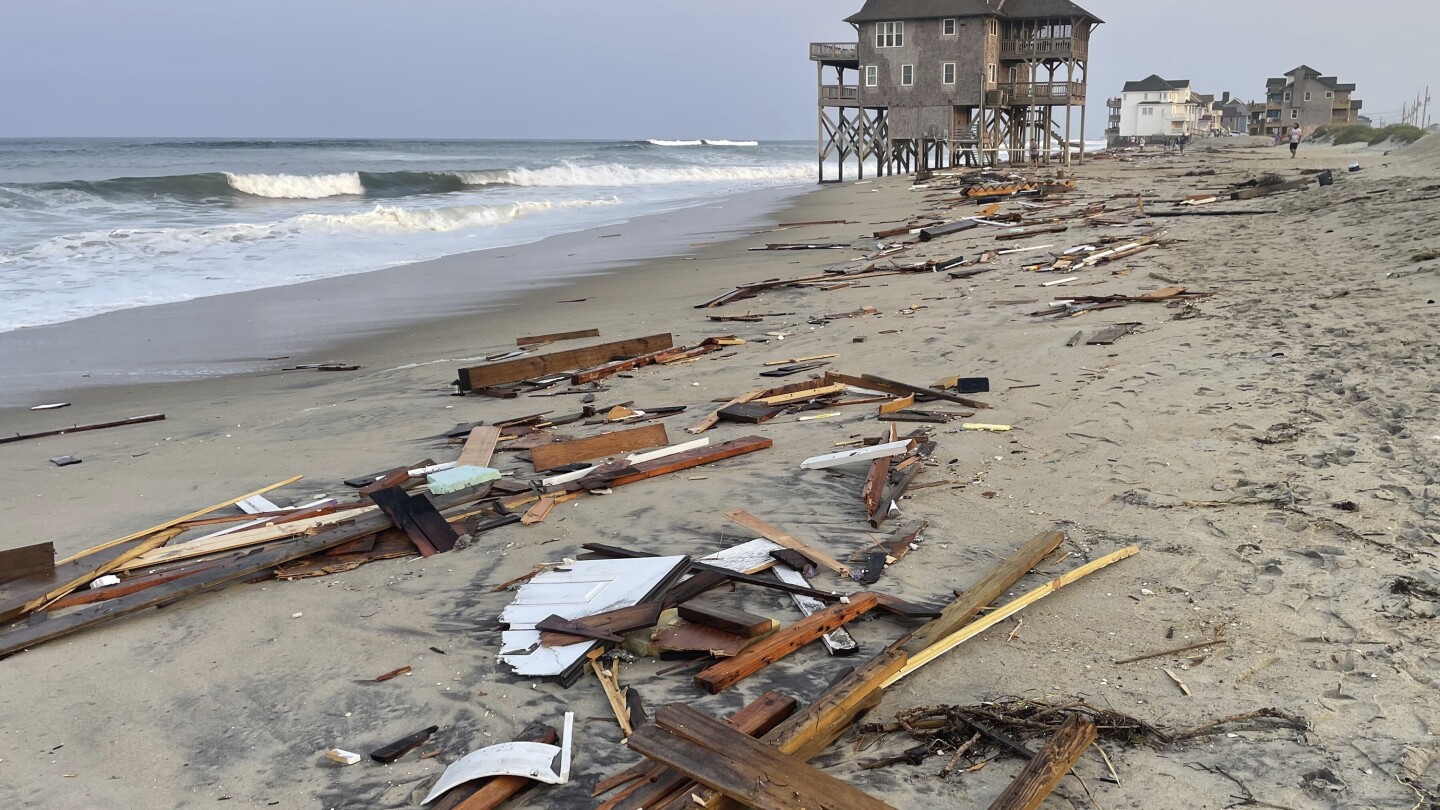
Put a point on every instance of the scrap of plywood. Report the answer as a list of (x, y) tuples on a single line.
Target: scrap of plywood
[(558, 454), (479, 447), (584, 588), (26, 561), (747, 558)]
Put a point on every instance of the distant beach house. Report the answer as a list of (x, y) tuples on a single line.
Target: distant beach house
[(934, 83), (1304, 97), (1154, 109)]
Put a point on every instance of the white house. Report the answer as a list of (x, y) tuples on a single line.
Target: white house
[(1160, 108)]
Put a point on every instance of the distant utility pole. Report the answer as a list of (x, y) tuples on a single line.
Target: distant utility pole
[(1425, 116)]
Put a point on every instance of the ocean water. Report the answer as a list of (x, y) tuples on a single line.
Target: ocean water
[(92, 226)]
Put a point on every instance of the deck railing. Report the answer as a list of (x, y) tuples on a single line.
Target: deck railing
[(1050, 46), (1037, 93), (834, 51), (840, 95)]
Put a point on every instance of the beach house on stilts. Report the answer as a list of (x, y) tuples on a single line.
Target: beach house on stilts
[(936, 83)]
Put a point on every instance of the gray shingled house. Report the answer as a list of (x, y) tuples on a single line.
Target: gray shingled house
[(934, 83)]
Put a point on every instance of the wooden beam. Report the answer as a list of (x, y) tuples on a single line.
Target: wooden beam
[(650, 358), (989, 588), (907, 388), (681, 461), (134, 420), (558, 454), (721, 617), (526, 367), (719, 677), (803, 394), (235, 540), (537, 340), (716, 755), (26, 561), (777, 535), (975, 628), (1040, 776)]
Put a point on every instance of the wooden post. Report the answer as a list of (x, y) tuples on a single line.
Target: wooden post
[(1043, 773)]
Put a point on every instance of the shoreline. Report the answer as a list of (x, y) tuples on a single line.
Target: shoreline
[(263, 330)]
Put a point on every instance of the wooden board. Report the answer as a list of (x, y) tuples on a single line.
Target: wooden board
[(697, 639), (837, 641), (713, 418), (526, 367), (479, 447), (906, 388), (777, 535), (726, 674), (749, 413), (237, 540), (680, 461), (723, 617), (1110, 334), (1043, 772), (717, 755), (558, 454), (27, 561), (418, 518), (984, 592), (536, 340)]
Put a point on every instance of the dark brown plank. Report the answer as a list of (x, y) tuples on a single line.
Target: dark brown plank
[(749, 413), (726, 674), (27, 561), (526, 367), (680, 461), (870, 381), (714, 754), (662, 356), (722, 617), (14, 596), (134, 420), (418, 518), (536, 340), (697, 639), (557, 454), (125, 587), (1044, 771)]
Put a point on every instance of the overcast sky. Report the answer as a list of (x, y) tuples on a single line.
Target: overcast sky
[(588, 69)]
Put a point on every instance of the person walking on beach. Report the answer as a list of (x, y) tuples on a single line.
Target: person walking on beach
[(1184, 139), (1294, 140)]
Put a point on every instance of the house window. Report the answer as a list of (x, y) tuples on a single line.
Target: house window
[(947, 27), (1147, 111), (1294, 115), (872, 76), (907, 75), (1329, 94), (948, 69), (1287, 95), (1307, 95), (990, 72), (890, 35)]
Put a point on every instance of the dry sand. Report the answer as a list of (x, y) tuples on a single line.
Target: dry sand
[(1320, 336)]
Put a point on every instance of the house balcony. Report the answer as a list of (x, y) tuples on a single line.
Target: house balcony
[(1044, 94), (839, 95), (839, 54), (1050, 48)]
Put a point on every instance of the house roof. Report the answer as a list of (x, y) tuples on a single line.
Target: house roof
[(885, 10), (1153, 83)]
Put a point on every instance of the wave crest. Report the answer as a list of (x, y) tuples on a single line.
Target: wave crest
[(662, 142), (440, 220), (567, 173), (297, 186)]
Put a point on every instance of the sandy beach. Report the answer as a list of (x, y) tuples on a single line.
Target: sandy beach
[(1270, 447)]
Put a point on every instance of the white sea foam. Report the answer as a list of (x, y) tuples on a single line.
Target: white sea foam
[(567, 173), (662, 142), (439, 220), (297, 186), (732, 143)]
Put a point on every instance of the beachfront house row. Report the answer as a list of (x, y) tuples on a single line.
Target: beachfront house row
[(1154, 109), (945, 82), (1304, 97), (1234, 114)]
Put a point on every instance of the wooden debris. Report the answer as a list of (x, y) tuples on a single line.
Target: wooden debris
[(537, 340), (510, 371), (777, 535), (642, 471), (342, 756), (394, 673), (715, 754), (417, 517), (863, 454), (26, 561), (610, 685), (479, 447), (731, 620), (749, 413), (1111, 334), (394, 751), (496, 790), (727, 673), (1043, 773), (558, 454), (539, 511), (134, 420)]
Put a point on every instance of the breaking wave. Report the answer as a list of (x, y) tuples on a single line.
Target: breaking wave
[(732, 143), (615, 174), (297, 186), (661, 142)]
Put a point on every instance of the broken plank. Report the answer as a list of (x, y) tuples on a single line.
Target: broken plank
[(906, 388), (726, 674), (802, 392), (680, 461), (749, 413), (539, 511), (777, 535), (862, 454), (698, 566), (556, 362), (662, 356), (1043, 772), (1110, 334), (899, 404), (536, 340), (716, 755), (134, 420), (26, 561), (837, 641), (417, 517), (558, 454), (479, 447)]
